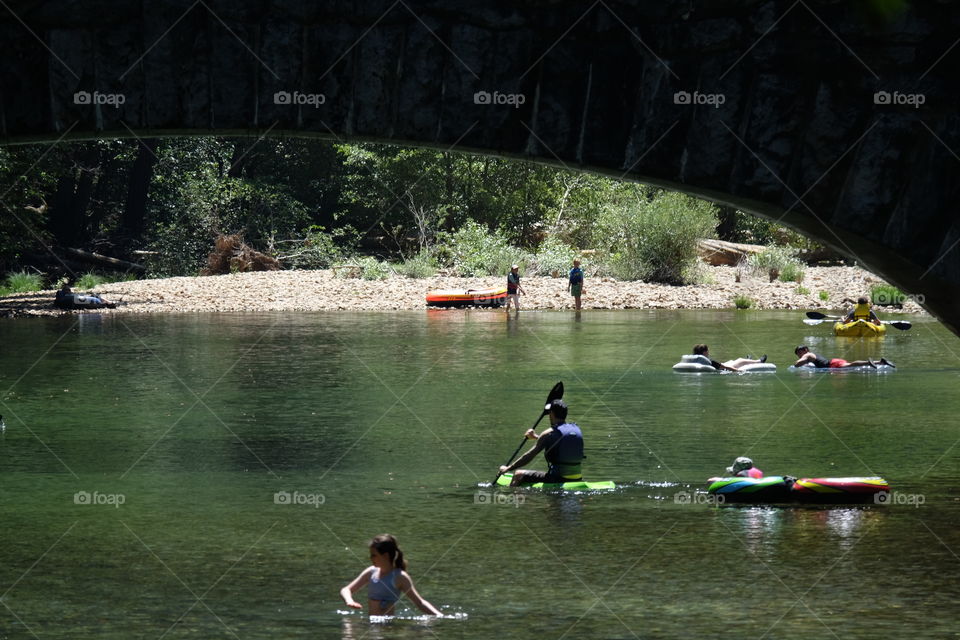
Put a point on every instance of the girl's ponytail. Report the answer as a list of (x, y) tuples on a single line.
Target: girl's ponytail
[(386, 543)]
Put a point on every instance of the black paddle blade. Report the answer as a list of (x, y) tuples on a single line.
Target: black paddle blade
[(555, 394), (903, 325), (815, 315)]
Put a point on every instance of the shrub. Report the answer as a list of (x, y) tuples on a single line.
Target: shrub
[(777, 261), (792, 272), (553, 255), (742, 302), (373, 269), (824, 295), (477, 251), (422, 265), (886, 295), (655, 239), (803, 291), (320, 248), (23, 282)]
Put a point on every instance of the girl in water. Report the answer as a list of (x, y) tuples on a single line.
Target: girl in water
[(387, 578)]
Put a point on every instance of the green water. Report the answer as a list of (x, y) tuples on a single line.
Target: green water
[(396, 423)]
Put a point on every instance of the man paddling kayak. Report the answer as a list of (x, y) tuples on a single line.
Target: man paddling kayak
[(562, 446)]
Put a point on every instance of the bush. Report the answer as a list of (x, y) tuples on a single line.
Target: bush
[(373, 269), (824, 295), (23, 282), (422, 265), (777, 260), (477, 251), (803, 291), (885, 295), (553, 255), (742, 302), (320, 249), (655, 239)]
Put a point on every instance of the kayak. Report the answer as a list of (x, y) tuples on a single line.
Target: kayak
[(698, 364), (492, 297), (578, 485), (880, 368), (773, 489), (859, 329)]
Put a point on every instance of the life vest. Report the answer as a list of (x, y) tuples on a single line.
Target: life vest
[(564, 450), (513, 281), (861, 312)]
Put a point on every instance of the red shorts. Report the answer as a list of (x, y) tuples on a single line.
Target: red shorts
[(837, 363)]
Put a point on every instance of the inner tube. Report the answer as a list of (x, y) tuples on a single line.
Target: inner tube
[(774, 489), (691, 363), (808, 367)]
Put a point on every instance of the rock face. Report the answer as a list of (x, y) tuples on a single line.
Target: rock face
[(838, 118)]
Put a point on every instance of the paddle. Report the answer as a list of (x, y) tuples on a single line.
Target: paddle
[(816, 318), (555, 394)]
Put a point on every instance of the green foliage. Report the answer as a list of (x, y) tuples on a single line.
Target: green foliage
[(792, 272), (373, 269), (553, 255), (824, 296), (23, 282), (884, 295), (803, 291), (655, 238), (742, 302), (319, 249), (477, 251), (422, 265), (778, 259)]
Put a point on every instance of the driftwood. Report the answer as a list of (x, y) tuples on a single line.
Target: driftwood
[(96, 258), (718, 252), (231, 255)]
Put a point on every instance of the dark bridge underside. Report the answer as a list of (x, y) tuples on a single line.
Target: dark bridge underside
[(836, 118)]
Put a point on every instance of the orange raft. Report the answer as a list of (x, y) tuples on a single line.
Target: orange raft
[(493, 297)]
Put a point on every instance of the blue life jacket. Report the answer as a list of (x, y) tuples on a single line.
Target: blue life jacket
[(576, 275), (564, 451)]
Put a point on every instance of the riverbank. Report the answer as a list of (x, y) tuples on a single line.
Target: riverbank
[(323, 291)]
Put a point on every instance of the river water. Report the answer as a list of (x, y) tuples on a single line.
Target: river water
[(219, 475)]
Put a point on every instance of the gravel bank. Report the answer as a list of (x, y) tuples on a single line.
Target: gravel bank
[(322, 291)]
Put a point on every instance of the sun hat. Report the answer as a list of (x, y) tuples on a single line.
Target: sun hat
[(516, 266)]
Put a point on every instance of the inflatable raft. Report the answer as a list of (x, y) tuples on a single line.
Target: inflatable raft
[(492, 297), (881, 368), (774, 489), (701, 364), (579, 485), (70, 301), (859, 329)]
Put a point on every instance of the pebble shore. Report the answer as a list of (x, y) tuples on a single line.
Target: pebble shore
[(324, 291)]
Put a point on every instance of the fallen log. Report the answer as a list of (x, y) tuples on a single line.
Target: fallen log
[(96, 258), (719, 252)]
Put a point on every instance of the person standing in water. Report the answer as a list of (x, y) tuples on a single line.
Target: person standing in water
[(575, 283), (388, 579), (513, 286)]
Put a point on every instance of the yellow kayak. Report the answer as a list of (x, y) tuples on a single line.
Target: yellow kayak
[(859, 329)]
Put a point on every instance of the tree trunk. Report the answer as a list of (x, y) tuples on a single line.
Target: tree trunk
[(727, 225), (141, 173)]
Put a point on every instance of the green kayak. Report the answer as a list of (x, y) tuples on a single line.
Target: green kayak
[(578, 485)]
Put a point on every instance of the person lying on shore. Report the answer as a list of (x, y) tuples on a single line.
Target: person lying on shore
[(703, 351), (66, 299), (804, 356)]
